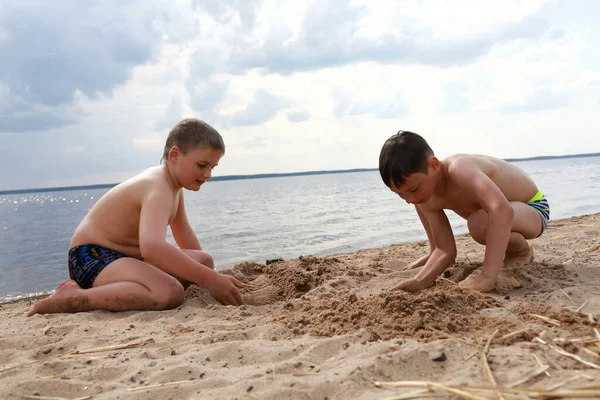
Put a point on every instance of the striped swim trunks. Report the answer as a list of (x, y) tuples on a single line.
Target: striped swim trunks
[(541, 205)]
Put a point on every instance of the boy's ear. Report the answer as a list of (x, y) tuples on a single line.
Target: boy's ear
[(174, 154), (434, 163)]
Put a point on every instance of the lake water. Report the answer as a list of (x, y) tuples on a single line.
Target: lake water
[(258, 219)]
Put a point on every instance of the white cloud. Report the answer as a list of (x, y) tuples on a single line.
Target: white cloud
[(292, 86)]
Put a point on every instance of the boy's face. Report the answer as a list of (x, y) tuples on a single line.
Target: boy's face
[(195, 167), (419, 187)]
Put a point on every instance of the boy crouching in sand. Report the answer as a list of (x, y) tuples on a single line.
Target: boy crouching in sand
[(502, 205), (119, 259)]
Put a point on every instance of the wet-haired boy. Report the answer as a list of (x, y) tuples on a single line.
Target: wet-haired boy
[(119, 259), (502, 205)]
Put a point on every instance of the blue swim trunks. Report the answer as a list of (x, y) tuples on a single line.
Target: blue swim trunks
[(542, 206), (87, 261)]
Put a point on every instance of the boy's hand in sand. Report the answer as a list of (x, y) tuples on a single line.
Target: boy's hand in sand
[(480, 283), (224, 288), (409, 285), (418, 263)]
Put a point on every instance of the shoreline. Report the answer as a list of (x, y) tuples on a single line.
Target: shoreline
[(41, 295)]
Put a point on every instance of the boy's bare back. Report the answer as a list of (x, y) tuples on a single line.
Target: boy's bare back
[(114, 221), (460, 194)]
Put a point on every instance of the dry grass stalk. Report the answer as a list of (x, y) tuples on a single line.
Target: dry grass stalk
[(28, 396), (305, 374), (540, 363), (515, 282), (479, 392), (118, 347), (511, 334), (489, 341), (433, 385), (568, 297), (597, 334), (160, 385), (589, 352), (582, 305), (573, 356), (546, 319), (563, 383), (529, 376), (415, 395), (74, 354), (486, 367)]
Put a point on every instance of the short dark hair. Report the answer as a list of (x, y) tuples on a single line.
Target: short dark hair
[(190, 133), (403, 154)]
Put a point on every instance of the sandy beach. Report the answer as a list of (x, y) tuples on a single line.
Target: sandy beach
[(329, 328)]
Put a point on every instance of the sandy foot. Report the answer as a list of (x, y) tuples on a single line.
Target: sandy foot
[(63, 300), (479, 283)]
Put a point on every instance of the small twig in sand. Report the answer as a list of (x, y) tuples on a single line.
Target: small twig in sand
[(540, 363), (563, 382), (596, 333), (118, 347), (529, 376), (511, 334), (475, 392), (568, 297), (582, 305), (486, 367), (70, 355), (573, 356), (28, 396), (546, 319), (430, 385), (489, 341), (589, 352), (160, 385)]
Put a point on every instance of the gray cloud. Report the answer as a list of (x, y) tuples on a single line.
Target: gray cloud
[(206, 95), (51, 50), (172, 114), (330, 37), (264, 107), (297, 116)]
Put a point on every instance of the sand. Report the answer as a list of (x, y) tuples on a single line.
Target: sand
[(328, 328)]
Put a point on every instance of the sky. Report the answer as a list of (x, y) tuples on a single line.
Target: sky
[(90, 89)]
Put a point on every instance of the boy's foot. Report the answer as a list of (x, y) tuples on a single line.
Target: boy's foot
[(64, 299), (518, 259), (479, 283)]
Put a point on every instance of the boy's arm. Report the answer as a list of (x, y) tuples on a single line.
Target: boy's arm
[(442, 257), (500, 215), (154, 217), (182, 231), (421, 261)]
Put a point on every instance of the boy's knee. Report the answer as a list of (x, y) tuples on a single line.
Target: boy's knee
[(170, 295), (478, 224), (207, 260)]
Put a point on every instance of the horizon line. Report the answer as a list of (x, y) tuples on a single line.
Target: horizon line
[(266, 175)]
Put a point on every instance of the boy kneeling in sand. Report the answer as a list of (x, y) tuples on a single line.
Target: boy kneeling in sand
[(119, 258), (502, 205)]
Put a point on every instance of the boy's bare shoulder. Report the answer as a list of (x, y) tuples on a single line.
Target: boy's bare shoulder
[(150, 182), (459, 163)]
